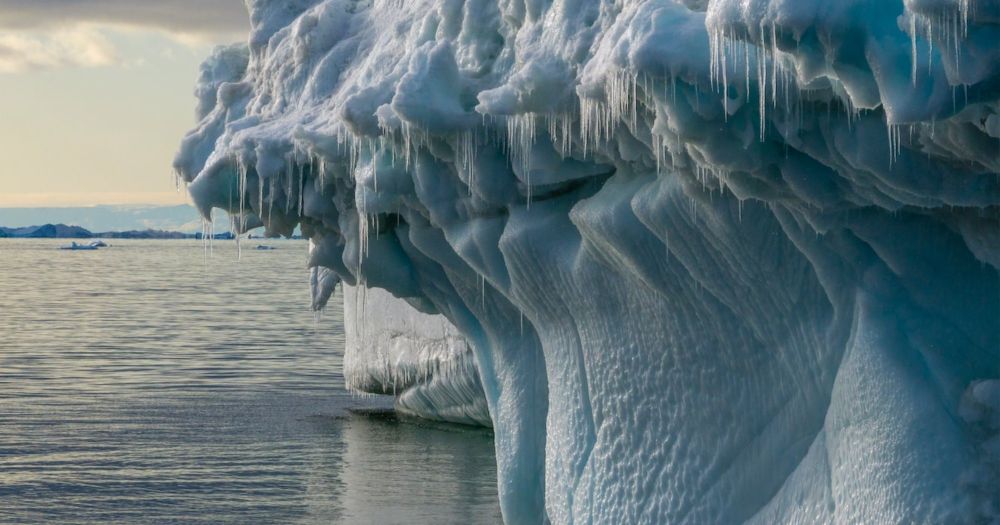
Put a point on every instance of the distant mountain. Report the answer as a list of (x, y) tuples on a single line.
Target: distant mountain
[(136, 220), (62, 231), (182, 218), (48, 231), (145, 234), (59, 231)]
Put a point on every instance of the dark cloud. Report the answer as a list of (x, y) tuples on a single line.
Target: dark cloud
[(203, 17)]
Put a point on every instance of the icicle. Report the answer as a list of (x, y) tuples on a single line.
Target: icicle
[(520, 140), (302, 187), (287, 180), (746, 67), (913, 49), (239, 248), (774, 67), (895, 138), (467, 144), (725, 88), (204, 236), (211, 239)]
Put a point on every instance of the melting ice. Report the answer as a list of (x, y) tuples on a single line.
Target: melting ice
[(696, 261)]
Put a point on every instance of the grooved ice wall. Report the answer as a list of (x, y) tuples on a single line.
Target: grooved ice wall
[(715, 261)]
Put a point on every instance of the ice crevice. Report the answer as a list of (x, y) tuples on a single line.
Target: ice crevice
[(695, 261)]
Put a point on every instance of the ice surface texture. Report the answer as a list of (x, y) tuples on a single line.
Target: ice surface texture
[(717, 261)]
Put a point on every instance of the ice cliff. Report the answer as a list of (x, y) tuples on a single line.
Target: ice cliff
[(712, 261)]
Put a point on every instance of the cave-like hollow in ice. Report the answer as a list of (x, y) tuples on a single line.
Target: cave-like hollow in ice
[(696, 261)]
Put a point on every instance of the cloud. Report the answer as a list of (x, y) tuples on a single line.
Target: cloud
[(82, 47), (52, 34), (183, 17)]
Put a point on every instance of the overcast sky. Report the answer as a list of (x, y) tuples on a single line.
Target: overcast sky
[(183, 16), (95, 95)]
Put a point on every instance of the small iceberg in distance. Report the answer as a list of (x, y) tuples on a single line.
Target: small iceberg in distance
[(74, 246), (93, 245)]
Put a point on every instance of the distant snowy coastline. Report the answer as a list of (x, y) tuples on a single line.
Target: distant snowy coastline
[(62, 231), (107, 218)]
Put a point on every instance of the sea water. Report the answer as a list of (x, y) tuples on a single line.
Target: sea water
[(152, 382)]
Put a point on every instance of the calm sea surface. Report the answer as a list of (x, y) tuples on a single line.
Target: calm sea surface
[(149, 383)]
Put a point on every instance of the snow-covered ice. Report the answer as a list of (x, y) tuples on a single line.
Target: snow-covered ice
[(701, 261)]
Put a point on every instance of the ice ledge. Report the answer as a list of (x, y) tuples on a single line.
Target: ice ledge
[(422, 359)]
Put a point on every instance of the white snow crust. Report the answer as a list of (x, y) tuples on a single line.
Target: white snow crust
[(712, 261)]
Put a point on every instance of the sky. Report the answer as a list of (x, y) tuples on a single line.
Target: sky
[(95, 95)]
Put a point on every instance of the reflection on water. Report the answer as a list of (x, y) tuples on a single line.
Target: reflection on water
[(436, 460), (146, 383)]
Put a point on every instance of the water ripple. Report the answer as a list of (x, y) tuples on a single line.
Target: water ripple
[(147, 383)]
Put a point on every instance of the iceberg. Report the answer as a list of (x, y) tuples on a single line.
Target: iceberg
[(695, 261), (93, 245)]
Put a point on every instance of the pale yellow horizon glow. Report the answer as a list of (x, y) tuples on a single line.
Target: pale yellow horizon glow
[(97, 125), (84, 199)]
